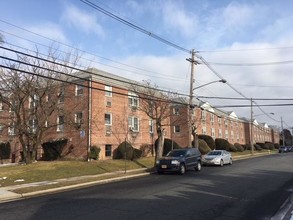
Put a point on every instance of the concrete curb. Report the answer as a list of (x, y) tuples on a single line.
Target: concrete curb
[(6, 195)]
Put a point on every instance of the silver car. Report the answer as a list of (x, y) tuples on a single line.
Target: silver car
[(217, 157)]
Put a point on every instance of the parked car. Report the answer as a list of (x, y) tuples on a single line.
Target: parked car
[(217, 157), (284, 149), (180, 160)]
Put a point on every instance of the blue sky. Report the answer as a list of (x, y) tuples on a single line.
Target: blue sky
[(223, 31)]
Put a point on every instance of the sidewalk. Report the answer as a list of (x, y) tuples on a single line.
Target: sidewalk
[(7, 194)]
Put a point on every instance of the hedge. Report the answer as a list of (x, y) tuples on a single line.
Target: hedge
[(167, 145), (239, 147), (209, 140), (222, 144), (53, 149), (131, 153), (5, 150), (203, 146)]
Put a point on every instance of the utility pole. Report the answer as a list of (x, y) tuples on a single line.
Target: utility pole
[(283, 133), (191, 124), (251, 128)]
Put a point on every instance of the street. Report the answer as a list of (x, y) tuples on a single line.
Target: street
[(249, 189)]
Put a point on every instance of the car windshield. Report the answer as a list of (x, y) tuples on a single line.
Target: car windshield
[(176, 153), (214, 153)]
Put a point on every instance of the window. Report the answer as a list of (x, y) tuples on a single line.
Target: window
[(78, 118), (220, 121), (176, 128), (33, 101), (1, 128), (226, 134), (108, 150), (60, 123), (1, 106), (220, 133), (212, 118), (108, 119), (78, 90), (133, 123), (133, 100), (213, 133), (108, 91), (203, 115), (204, 130), (11, 129), (61, 95), (108, 103), (33, 125), (176, 111), (151, 124), (46, 124)]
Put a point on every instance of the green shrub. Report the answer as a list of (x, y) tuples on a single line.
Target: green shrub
[(137, 153), (94, 153), (270, 145), (262, 145), (277, 145), (146, 149), (222, 144), (239, 147), (209, 140), (126, 151), (257, 147), (203, 146), (232, 148), (168, 145), (53, 149), (5, 150)]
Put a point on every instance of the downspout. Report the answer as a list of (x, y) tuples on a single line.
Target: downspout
[(89, 117)]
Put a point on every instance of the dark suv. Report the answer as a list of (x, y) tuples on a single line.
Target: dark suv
[(180, 160)]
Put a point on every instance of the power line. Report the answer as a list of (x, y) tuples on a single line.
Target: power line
[(134, 26), (248, 49), (244, 99), (253, 64)]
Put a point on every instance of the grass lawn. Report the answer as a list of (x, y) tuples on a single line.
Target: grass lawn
[(52, 170)]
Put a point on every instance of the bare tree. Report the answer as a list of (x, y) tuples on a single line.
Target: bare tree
[(28, 86), (156, 105)]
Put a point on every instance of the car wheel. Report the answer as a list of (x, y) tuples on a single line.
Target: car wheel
[(182, 169), (231, 161), (221, 163), (198, 166)]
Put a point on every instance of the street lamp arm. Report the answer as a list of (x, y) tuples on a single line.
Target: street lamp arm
[(222, 81)]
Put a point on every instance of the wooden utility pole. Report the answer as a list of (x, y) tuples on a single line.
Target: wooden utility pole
[(191, 122)]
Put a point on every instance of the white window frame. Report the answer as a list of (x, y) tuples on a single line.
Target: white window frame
[(151, 124), (204, 130), (79, 90), (176, 111), (60, 125), (33, 125), (133, 123), (213, 133), (203, 115), (108, 122), (108, 91), (177, 129), (78, 117), (220, 133), (133, 100)]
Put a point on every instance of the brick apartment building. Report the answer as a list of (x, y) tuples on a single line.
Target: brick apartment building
[(99, 109)]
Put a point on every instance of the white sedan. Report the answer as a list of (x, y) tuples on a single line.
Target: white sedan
[(217, 157)]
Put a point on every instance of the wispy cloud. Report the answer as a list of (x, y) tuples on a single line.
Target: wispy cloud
[(82, 20)]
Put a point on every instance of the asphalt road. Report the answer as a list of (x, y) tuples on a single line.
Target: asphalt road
[(249, 189)]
